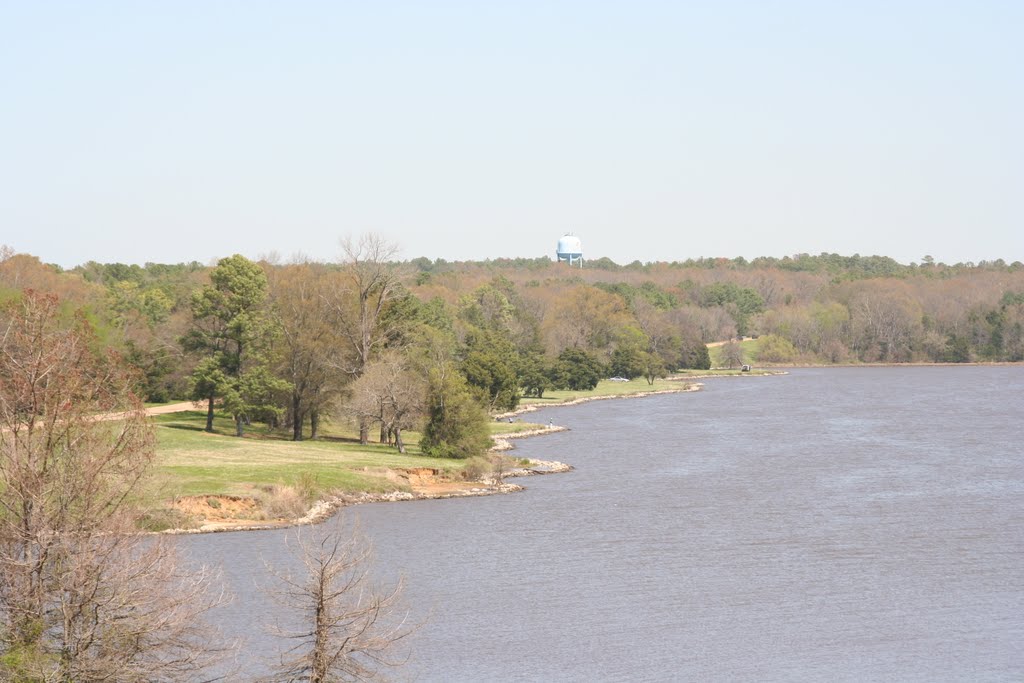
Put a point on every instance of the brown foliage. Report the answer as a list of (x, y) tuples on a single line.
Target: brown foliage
[(82, 597), (311, 350), (348, 628)]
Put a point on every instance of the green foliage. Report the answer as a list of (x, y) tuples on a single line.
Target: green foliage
[(1012, 299), (629, 362), (493, 373), (741, 302), (506, 317), (694, 354), (775, 349), (854, 267), (997, 334), (487, 308), (234, 333), (490, 366), (22, 657), (128, 298), (654, 367), (534, 373), (457, 426), (422, 264), (648, 291), (254, 394), (435, 313), (577, 370), (603, 263), (157, 367), (958, 349)]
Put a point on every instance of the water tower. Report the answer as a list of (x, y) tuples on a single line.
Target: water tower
[(570, 249)]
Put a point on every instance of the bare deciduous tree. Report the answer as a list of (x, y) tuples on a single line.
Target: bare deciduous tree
[(82, 598), (349, 629), (369, 282), (732, 354), (389, 392)]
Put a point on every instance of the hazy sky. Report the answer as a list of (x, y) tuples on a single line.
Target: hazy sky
[(177, 131)]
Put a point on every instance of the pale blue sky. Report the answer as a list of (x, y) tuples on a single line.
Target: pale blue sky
[(176, 131)]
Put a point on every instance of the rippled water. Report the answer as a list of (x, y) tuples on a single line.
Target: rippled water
[(834, 524)]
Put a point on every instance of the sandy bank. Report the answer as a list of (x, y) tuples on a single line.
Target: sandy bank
[(424, 483)]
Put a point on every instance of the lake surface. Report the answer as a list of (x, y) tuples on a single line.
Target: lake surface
[(839, 524)]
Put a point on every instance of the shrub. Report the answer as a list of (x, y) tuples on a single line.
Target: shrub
[(577, 370), (775, 349), (281, 502), (476, 468), (457, 426), (163, 519)]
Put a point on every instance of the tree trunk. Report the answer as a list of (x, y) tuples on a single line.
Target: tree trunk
[(364, 431), (239, 421), (209, 414), (383, 432), (398, 440), (314, 424), (296, 417)]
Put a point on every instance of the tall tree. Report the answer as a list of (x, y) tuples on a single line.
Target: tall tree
[(311, 346), (457, 426), (489, 365), (577, 370), (232, 330), (369, 280), (391, 393)]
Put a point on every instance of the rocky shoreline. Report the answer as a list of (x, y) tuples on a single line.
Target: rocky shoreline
[(323, 510), (533, 407)]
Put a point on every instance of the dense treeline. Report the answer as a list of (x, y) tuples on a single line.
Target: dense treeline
[(392, 345)]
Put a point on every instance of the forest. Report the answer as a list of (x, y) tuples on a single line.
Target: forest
[(392, 345), (372, 347)]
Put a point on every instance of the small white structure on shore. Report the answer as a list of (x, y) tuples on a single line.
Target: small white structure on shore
[(570, 250)]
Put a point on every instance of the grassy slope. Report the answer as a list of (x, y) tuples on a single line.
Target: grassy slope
[(604, 388), (191, 462), (749, 347)]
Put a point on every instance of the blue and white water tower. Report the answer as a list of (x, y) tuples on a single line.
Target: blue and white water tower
[(570, 249)]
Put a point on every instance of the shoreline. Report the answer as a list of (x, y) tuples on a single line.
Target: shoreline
[(898, 365), (533, 407), (324, 509)]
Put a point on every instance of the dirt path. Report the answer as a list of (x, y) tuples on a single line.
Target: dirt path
[(172, 408), (712, 345), (158, 410)]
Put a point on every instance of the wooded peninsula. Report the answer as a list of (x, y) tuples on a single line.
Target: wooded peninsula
[(191, 397), (372, 375)]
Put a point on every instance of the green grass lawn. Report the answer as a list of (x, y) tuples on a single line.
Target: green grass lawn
[(716, 372), (748, 346), (193, 462), (604, 388)]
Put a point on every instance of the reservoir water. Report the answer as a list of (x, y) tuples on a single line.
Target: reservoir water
[(839, 524)]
